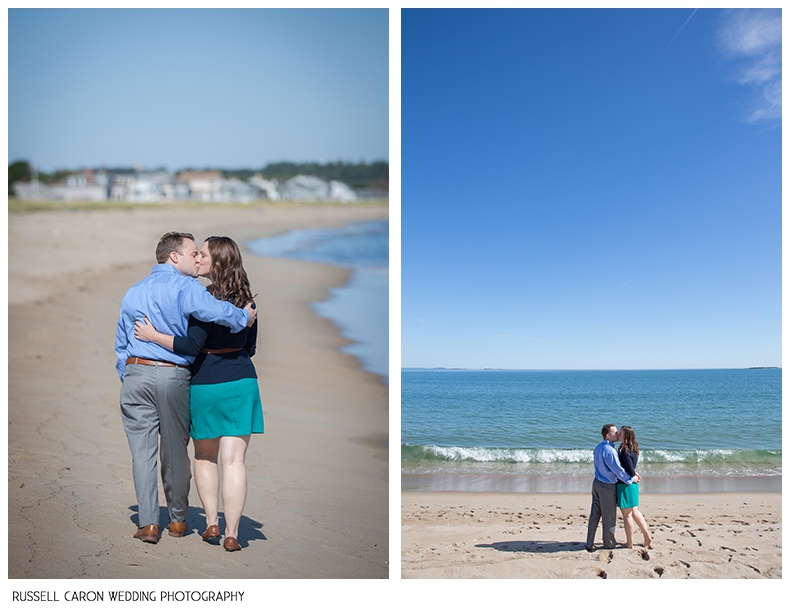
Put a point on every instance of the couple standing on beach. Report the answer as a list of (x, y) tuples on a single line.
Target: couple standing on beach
[(195, 377), (616, 485)]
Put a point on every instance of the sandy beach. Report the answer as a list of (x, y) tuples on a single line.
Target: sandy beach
[(317, 504), (542, 536)]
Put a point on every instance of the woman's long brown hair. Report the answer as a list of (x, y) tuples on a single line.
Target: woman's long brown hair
[(228, 278), (628, 439)]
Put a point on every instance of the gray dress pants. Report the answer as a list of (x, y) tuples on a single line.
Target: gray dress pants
[(154, 407), (604, 506)]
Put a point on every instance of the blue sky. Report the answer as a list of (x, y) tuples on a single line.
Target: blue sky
[(591, 189), (224, 88)]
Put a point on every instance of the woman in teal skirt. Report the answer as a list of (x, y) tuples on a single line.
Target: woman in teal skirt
[(628, 494), (225, 403)]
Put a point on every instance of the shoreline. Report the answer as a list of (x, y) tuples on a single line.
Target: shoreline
[(351, 306), (451, 535), (543, 483), (317, 502)]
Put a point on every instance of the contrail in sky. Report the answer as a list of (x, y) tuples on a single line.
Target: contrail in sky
[(685, 23)]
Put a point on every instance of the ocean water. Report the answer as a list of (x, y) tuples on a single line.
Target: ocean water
[(534, 431), (361, 307)]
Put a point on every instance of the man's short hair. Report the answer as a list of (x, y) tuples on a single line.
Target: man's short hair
[(606, 428), (171, 242)]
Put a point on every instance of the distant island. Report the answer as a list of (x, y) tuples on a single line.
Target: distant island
[(763, 368)]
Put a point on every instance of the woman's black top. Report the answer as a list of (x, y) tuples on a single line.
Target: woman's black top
[(212, 368), (628, 459)]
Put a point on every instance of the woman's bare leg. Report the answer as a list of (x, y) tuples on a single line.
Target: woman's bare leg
[(640, 521), (628, 522), (233, 451), (207, 478)]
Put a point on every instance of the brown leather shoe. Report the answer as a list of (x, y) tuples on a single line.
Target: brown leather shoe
[(177, 529), (231, 545), (211, 532), (148, 534)]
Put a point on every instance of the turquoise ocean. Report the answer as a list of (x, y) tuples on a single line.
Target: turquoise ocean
[(361, 307), (534, 431)]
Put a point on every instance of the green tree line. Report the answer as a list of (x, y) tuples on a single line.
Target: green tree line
[(374, 176), (359, 176), (18, 172)]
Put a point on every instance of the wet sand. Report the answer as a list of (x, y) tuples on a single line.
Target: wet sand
[(563, 483)]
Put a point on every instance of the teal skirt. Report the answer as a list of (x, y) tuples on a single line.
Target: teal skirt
[(225, 409), (627, 495)]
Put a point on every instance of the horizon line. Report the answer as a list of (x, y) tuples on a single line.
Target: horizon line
[(587, 369)]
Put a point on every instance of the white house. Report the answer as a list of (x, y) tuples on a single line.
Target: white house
[(266, 187), (203, 185), (312, 188), (139, 186)]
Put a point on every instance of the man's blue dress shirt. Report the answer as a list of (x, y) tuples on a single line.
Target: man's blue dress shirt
[(168, 298), (607, 465)]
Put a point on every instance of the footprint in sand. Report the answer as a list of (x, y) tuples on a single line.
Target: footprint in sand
[(659, 571), (601, 573), (605, 556), (644, 554)]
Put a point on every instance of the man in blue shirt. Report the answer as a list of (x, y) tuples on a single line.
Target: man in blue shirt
[(604, 495), (156, 382)]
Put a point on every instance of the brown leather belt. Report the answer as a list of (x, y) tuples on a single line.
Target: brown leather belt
[(227, 350), (153, 362)]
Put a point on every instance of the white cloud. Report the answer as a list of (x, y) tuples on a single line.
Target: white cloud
[(753, 38)]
